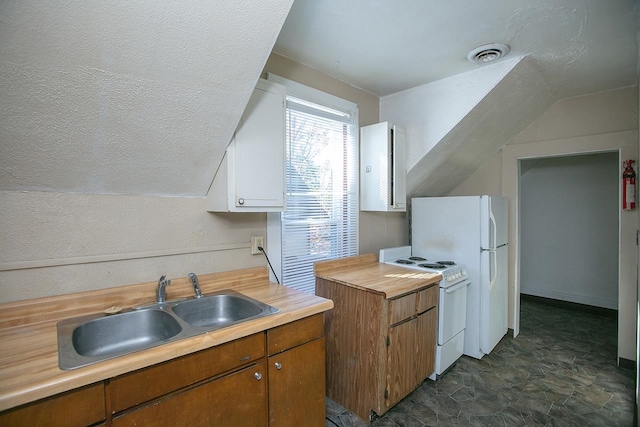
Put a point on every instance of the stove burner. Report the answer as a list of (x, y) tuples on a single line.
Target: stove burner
[(417, 258), (432, 265), (404, 261), (446, 262)]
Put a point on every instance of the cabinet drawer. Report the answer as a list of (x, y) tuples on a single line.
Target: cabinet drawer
[(427, 298), (402, 308), (80, 407), (295, 333), (149, 383)]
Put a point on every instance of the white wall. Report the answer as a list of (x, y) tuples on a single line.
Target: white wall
[(569, 228), (54, 243), (58, 243)]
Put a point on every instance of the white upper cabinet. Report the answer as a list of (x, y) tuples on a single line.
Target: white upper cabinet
[(251, 177), (383, 174)]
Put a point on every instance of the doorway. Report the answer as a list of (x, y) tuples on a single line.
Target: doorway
[(569, 222)]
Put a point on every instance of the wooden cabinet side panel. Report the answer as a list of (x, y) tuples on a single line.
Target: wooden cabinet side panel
[(401, 375), (150, 383), (355, 333), (80, 407), (238, 400), (295, 333), (297, 386)]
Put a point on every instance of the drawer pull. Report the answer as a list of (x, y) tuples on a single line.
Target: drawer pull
[(258, 376), (278, 365)]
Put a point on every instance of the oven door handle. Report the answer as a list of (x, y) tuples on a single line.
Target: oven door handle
[(457, 287)]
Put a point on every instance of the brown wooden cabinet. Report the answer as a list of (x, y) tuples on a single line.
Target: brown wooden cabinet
[(80, 407), (297, 374), (275, 378), (378, 349), (238, 399)]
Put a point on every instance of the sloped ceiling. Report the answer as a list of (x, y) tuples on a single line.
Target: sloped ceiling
[(386, 47), (457, 114), (134, 97)]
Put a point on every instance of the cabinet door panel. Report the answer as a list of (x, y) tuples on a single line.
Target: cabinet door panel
[(426, 344), (238, 400), (259, 146), (150, 383), (297, 386), (401, 375), (79, 407)]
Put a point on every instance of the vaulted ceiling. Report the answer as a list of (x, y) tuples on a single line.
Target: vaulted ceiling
[(143, 97)]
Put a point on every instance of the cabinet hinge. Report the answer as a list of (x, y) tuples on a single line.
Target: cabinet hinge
[(386, 393), (388, 342)]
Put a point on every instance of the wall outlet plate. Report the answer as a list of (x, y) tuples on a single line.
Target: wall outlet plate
[(255, 242)]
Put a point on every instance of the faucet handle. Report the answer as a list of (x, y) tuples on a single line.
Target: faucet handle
[(160, 291), (196, 285)]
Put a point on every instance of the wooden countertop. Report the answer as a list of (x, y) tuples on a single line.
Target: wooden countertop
[(28, 335), (365, 272)]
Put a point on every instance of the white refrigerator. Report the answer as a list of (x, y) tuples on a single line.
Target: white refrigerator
[(470, 230)]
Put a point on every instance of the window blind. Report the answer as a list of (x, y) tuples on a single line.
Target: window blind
[(321, 217)]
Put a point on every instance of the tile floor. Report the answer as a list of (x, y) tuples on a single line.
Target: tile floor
[(560, 371)]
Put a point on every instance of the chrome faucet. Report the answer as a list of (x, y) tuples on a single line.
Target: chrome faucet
[(196, 286), (161, 294)]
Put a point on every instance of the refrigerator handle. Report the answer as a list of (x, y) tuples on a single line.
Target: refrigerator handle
[(494, 230), (492, 277), (492, 254)]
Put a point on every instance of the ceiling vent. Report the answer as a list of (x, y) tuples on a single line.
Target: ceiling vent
[(487, 53)]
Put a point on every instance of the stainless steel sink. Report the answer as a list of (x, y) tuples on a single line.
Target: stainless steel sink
[(220, 310), (114, 334), (89, 339)]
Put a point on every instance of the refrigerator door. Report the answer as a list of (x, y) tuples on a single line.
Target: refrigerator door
[(493, 297)]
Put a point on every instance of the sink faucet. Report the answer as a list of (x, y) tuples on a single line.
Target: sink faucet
[(161, 294), (196, 286)]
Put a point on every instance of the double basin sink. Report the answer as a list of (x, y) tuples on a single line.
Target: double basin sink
[(89, 339)]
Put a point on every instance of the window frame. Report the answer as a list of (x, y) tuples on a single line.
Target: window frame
[(331, 102)]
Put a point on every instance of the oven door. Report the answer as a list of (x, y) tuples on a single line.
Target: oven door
[(452, 311)]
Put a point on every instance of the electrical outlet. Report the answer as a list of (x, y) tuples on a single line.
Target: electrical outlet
[(255, 242)]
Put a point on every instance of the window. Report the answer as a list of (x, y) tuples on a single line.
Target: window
[(321, 217)]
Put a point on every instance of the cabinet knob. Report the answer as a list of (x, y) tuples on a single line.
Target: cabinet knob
[(278, 365), (241, 201), (258, 376)]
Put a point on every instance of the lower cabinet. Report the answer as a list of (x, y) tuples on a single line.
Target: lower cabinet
[(274, 378), (297, 374), (238, 399), (410, 355), (81, 407), (378, 349)]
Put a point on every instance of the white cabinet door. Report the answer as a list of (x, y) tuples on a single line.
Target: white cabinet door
[(251, 177), (382, 168)]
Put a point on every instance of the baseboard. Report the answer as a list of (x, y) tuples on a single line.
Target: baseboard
[(611, 304), (571, 305), (626, 363)]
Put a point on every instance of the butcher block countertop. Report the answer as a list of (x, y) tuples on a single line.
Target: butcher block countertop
[(365, 272), (28, 335)]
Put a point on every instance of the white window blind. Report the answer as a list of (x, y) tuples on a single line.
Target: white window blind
[(321, 217)]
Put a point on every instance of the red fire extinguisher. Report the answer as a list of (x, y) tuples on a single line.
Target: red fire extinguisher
[(628, 186)]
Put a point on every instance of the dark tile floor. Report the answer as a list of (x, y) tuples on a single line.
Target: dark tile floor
[(560, 371)]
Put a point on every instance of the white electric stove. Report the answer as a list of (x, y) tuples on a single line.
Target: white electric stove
[(452, 301)]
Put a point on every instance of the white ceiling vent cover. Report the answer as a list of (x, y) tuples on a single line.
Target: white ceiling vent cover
[(487, 53)]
